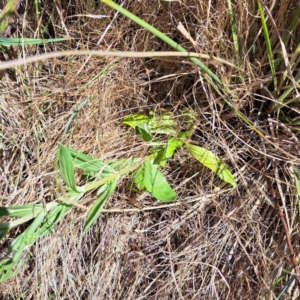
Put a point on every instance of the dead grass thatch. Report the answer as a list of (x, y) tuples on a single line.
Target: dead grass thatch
[(211, 244)]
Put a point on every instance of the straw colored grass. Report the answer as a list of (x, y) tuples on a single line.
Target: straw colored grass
[(225, 244)]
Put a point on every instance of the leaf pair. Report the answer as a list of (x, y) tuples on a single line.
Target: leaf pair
[(149, 178)]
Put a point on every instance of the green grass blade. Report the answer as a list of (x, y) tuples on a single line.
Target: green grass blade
[(287, 91), (163, 37), (211, 161), (99, 204), (234, 34), (27, 41), (268, 43)]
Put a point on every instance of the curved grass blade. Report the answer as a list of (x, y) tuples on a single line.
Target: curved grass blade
[(293, 277), (211, 161), (99, 204), (150, 178)]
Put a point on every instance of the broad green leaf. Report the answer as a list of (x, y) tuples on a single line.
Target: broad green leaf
[(27, 41), (144, 131), (172, 145), (66, 167), (99, 204), (138, 178), (184, 135), (165, 152), (149, 177), (211, 161), (92, 166), (135, 120)]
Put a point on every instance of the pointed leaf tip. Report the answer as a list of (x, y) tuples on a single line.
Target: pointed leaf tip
[(66, 167), (211, 161)]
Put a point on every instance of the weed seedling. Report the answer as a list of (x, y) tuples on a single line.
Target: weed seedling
[(163, 136)]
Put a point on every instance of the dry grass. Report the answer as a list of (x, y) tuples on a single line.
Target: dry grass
[(229, 245)]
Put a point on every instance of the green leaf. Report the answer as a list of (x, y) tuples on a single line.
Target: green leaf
[(164, 124), (211, 161), (135, 120), (66, 167), (138, 178), (11, 266), (155, 124), (99, 204), (144, 131), (87, 163), (57, 213), (172, 145), (165, 152), (20, 211), (150, 178)]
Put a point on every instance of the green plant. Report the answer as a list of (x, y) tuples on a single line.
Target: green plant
[(159, 131)]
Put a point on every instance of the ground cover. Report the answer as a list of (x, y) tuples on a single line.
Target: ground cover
[(222, 236)]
